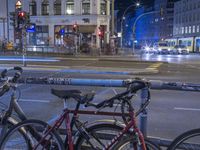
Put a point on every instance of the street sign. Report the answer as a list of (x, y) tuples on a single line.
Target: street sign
[(31, 28)]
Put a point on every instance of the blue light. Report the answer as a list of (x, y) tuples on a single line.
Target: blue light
[(31, 28), (62, 31)]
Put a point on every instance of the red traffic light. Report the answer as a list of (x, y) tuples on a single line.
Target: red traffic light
[(21, 14), (100, 32), (75, 27)]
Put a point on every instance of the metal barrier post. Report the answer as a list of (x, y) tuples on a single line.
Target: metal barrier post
[(143, 115)]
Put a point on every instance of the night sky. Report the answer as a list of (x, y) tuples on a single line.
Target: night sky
[(121, 5)]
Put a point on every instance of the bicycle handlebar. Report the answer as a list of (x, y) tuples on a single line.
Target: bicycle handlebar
[(6, 86), (133, 87)]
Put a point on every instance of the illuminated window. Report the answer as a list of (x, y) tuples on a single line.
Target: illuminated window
[(45, 7), (85, 7), (193, 29), (190, 28), (103, 7), (57, 7), (70, 7), (186, 29), (33, 8), (182, 30), (197, 28)]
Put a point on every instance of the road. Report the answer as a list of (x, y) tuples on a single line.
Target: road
[(170, 112)]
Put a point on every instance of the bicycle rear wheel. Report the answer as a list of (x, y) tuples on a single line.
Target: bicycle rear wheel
[(32, 139), (101, 134), (189, 140)]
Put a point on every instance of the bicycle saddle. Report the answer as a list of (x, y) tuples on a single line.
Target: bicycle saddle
[(75, 94)]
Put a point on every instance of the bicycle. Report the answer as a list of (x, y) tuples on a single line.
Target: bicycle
[(49, 133), (128, 138), (189, 140), (10, 84)]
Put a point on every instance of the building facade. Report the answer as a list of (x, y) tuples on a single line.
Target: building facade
[(186, 30), (55, 19)]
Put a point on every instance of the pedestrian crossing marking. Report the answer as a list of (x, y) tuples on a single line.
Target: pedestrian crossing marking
[(154, 66)]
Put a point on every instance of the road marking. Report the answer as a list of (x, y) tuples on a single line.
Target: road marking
[(186, 109), (29, 59), (154, 66), (34, 100)]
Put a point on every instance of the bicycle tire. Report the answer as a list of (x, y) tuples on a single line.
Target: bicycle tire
[(14, 140), (189, 140), (127, 144), (82, 143)]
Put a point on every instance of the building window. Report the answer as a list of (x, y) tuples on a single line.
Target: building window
[(33, 8), (42, 35), (70, 7), (85, 7), (193, 29), (182, 30), (197, 28), (103, 7), (190, 28), (45, 7), (186, 30), (57, 7)]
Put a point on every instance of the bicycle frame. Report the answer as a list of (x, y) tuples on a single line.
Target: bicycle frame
[(131, 124), (69, 124), (13, 106)]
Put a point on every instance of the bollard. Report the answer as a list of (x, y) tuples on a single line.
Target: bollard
[(143, 115)]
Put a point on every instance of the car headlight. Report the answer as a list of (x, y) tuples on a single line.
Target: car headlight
[(159, 49), (169, 49), (147, 48)]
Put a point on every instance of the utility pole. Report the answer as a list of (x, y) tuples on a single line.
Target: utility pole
[(7, 11), (113, 17), (4, 22)]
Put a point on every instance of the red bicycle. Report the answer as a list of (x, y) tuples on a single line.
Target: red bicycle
[(89, 138)]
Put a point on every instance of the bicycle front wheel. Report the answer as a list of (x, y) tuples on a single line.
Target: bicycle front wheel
[(35, 137), (100, 135), (189, 140)]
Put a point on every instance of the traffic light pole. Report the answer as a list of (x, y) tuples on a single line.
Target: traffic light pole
[(24, 46)]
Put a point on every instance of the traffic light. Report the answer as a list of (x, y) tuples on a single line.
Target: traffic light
[(13, 19), (101, 32), (62, 31), (21, 18), (75, 27)]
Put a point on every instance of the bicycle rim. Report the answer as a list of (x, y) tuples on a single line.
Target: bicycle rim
[(131, 144), (189, 140), (15, 139)]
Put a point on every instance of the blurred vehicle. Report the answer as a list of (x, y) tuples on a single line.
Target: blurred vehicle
[(149, 50), (162, 48), (180, 49)]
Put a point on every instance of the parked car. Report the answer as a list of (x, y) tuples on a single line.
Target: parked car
[(180, 49)]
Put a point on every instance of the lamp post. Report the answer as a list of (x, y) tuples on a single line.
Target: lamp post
[(4, 32), (123, 18), (7, 13)]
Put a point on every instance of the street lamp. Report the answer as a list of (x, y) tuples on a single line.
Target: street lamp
[(135, 22), (137, 4)]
